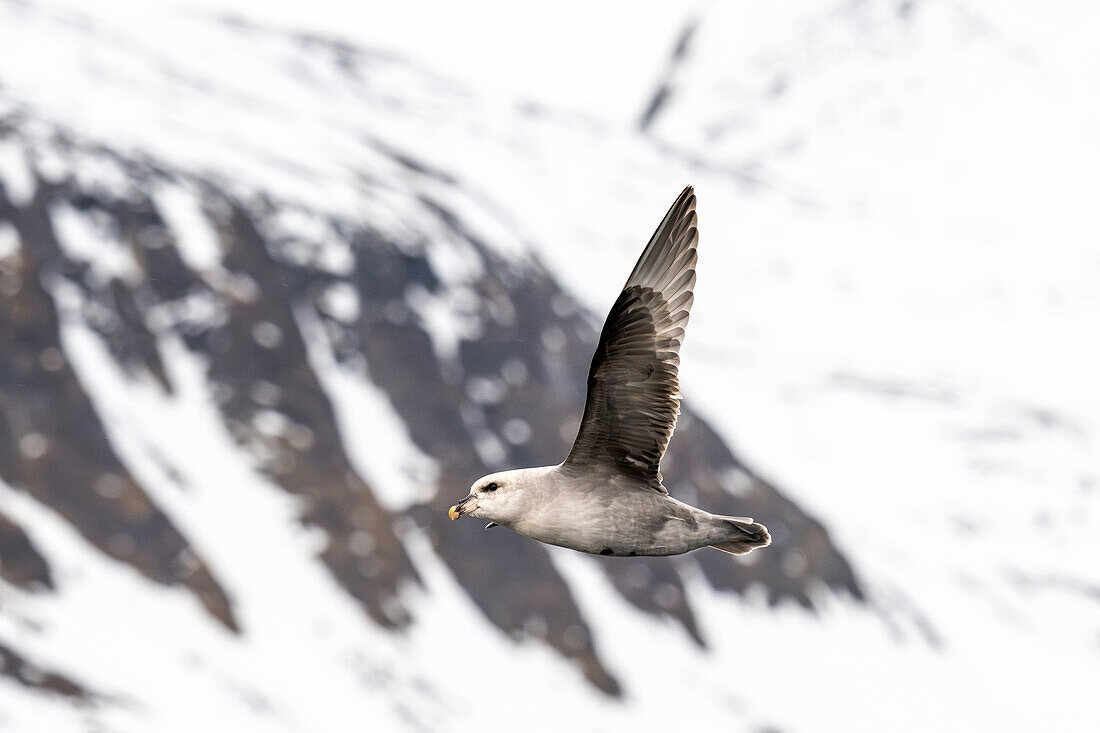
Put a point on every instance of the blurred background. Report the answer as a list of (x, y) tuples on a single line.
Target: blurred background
[(279, 280)]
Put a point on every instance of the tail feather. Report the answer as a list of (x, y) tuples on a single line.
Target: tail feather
[(745, 536)]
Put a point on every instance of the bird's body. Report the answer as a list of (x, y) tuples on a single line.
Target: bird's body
[(605, 513), (608, 497)]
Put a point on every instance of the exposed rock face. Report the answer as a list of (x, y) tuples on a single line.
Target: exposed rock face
[(14, 666), (20, 562), (506, 390)]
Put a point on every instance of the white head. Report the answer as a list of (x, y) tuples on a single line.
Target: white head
[(502, 497)]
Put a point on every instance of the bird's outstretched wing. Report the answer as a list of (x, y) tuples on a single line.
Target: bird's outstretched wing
[(633, 390)]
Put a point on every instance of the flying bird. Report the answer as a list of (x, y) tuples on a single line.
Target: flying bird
[(608, 497)]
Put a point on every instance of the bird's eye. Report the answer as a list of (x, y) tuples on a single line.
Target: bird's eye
[(490, 487)]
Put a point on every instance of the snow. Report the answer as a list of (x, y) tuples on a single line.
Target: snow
[(9, 240), (341, 302), (448, 317), (894, 323), (19, 184), (196, 239), (84, 237)]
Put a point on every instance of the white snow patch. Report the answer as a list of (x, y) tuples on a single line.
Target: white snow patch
[(93, 171), (88, 238), (449, 317), (196, 239), (310, 240), (340, 301), (9, 240), (15, 173)]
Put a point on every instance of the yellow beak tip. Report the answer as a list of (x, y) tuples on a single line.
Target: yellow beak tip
[(453, 512)]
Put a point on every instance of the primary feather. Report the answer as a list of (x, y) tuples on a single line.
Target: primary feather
[(633, 389)]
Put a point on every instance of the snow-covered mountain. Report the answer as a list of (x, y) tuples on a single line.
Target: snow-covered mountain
[(277, 283)]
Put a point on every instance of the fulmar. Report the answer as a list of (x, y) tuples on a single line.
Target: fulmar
[(608, 497)]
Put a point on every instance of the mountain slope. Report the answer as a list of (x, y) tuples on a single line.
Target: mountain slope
[(294, 314), (272, 299)]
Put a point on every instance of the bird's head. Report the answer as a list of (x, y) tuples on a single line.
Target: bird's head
[(498, 497)]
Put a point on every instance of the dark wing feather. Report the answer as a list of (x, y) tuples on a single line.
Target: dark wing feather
[(633, 390)]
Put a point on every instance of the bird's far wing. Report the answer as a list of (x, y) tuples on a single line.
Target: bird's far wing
[(633, 390)]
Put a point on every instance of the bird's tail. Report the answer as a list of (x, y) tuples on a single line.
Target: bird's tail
[(745, 536)]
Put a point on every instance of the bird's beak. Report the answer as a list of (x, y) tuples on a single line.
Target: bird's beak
[(465, 506)]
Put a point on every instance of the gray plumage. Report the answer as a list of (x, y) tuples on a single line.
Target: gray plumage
[(608, 497)]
